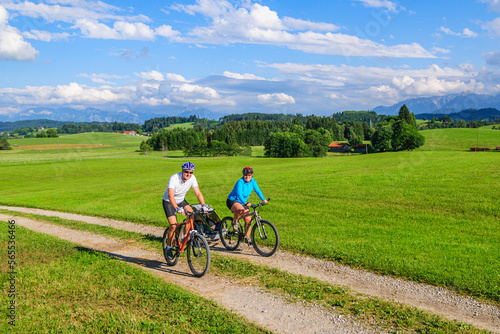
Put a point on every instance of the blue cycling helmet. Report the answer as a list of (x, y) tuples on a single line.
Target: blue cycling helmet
[(188, 166)]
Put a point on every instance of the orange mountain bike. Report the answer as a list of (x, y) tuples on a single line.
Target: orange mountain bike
[(195, 244)]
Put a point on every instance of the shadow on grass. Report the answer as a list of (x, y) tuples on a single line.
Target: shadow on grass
[(146, 263)]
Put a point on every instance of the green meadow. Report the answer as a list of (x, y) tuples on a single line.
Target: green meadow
[(431, 215), (100, 295)]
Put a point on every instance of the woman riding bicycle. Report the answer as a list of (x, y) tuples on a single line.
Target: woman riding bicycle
[(237, 201)]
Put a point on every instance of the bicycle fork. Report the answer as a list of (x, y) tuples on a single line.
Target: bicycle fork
[(195, 244), (261, 228)]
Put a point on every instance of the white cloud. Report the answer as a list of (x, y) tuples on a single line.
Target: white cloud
[(433, 86), (297, 24), (176, 77), (120, 30), (71, 11), (382, 4), (493, 4), (246, 76), (275, 99), (466, 32), (152, 75), (12, 44), (45, 36), (8, 110), (493, 26), (167, 31), (154, 101), (73, 93), (100, 78), (257, 24)]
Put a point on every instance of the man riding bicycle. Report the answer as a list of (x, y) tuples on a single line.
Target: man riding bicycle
[(174, 200)]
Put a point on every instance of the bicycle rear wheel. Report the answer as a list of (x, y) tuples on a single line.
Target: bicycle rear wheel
[(265, 238), (175, 249), (229, 234), (198, 255)]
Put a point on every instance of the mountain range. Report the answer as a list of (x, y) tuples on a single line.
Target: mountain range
[(439, 105), (447, 104), (98, 115)]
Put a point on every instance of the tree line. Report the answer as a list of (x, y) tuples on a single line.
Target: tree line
[(286, 136), (72, 128), (446, 121)]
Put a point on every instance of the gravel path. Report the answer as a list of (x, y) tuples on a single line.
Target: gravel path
[(433, 299), (262, 308)]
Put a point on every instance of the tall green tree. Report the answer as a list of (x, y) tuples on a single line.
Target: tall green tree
[(381, 139), (4, 144), (285, 145), (317, 142), (407, 116)]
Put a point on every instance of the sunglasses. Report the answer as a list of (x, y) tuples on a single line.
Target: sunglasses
[(185, 171)]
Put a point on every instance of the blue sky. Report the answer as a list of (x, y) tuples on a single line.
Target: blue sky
[(308, 57)]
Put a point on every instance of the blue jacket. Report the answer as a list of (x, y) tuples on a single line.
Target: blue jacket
[(242, 191)]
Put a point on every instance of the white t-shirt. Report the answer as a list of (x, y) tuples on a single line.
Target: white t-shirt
[(180, 188)]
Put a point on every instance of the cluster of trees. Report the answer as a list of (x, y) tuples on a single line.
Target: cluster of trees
[(398, 133), (158, 123), (298, 143), (49, 133), (4, 144), (72, 128), (444, 122), (286, 136)]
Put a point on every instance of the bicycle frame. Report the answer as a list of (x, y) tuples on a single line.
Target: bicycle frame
[(255, 218), (190, 231)]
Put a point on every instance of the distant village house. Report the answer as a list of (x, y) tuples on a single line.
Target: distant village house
[(130, 133), (339, 147)]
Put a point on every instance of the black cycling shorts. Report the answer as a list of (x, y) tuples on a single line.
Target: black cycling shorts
[(230, 203), (169, 208)]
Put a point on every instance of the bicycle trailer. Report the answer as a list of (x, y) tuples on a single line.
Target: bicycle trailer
[(206, 224)]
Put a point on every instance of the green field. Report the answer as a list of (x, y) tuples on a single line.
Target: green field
[(430, 215), (100, 295)]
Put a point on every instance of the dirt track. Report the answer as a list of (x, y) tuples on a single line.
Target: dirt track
[(264, 309)]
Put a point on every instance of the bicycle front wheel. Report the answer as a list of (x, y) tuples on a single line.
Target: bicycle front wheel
[(175, 249), (265, 238), (198, 255), (229, 234)]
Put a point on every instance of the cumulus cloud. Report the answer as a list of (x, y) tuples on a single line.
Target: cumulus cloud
[(120, 30), (492, 4), (466, 32), (492, 26), (275, 99), (152, 75), (380, 4), (246, 76), (176, 77), (101, 78), (12, 44), (71, 11), (45, 36), (257, 24), (167, 31), (72, 93)]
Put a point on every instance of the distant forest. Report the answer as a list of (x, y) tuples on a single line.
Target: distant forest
[(486, 114)]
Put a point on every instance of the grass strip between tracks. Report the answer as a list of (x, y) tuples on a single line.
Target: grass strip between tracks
[(390, 315)]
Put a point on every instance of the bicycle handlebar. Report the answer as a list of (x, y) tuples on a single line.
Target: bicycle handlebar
[(259, 204), (195, 212)]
